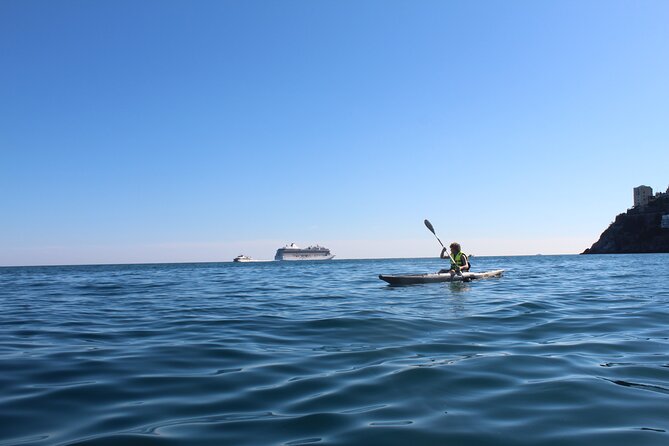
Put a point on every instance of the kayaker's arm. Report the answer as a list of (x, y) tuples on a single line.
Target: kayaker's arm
[(466, 266)]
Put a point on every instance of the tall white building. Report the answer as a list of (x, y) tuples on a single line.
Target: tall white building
[(642, 194)]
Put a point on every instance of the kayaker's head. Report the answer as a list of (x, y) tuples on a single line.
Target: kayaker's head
[(455, 247)]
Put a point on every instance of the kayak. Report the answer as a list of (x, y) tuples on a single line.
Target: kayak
[(409, 279)]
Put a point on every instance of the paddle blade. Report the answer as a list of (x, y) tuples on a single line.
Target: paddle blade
[(429, 226)]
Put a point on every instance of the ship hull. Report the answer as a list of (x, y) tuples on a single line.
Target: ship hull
[(303, 257)]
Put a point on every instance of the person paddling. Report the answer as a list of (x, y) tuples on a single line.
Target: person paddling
[(459, 261)]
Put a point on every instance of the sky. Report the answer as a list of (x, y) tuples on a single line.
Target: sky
[(179, 131)]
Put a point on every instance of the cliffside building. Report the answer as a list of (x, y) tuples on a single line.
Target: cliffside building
[(642, 195)]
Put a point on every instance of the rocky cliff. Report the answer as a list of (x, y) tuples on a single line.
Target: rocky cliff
[(636, 231)]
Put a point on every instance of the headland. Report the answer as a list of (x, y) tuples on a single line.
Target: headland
[(642, 229)]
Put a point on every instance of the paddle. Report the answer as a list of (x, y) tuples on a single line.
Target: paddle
[(431, 228)]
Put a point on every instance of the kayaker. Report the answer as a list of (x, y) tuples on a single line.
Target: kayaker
[(461, 261)]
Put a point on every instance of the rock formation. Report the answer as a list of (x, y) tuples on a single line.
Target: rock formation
[(638, 230)]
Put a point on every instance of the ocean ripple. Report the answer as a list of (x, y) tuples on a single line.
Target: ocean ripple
[(565, 350)]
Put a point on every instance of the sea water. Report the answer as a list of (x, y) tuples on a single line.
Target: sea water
[(561, 350)]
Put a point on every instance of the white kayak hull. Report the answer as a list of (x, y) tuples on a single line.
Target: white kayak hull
[(410, 279)]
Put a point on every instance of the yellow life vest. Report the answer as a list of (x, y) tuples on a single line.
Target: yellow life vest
[(459, 260)]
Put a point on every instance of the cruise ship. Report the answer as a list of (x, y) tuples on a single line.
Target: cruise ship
[(294, 252)]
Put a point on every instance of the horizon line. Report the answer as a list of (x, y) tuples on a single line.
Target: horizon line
[(203, 262)]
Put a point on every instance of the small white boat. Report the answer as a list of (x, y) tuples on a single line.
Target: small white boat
[(242, 258)]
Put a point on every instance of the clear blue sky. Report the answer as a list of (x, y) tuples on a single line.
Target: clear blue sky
[(149, 131)]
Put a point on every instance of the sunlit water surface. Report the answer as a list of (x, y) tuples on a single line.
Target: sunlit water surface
[(560, 350)]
